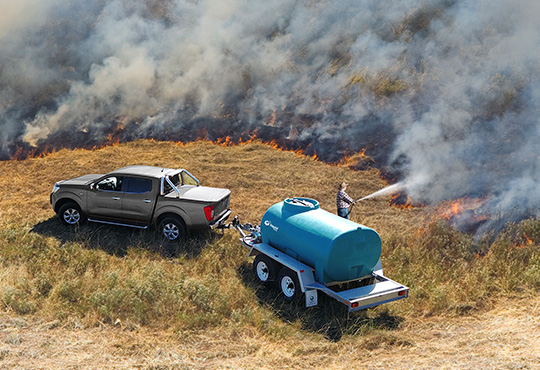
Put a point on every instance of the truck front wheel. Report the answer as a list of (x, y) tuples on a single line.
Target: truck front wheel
[(289, 284), (70, 214), (172, 229)]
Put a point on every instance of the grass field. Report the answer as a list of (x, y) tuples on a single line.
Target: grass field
[(120, 285)]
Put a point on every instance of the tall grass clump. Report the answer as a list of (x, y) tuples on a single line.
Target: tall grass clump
[(448, 271), (512, 264), (70, 280)]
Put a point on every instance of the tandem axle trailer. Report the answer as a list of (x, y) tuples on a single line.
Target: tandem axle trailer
[(295, 278)]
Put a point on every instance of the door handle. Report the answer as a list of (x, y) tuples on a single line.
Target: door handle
[(147, 201), (116, 198)]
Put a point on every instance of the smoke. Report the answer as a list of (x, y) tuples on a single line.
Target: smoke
[(445, 93), (476, 132)]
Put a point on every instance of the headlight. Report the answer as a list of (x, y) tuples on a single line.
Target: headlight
[(55, 188)]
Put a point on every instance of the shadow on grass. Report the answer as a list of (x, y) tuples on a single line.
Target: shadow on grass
[(116, 240), (329, 318)]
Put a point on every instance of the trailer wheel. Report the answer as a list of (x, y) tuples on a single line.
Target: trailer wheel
[(264, 268), (289, 284)]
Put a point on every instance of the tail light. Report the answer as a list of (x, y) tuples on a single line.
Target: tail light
[(209, 212)]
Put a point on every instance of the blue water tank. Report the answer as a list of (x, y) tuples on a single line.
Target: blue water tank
[(338, 249)]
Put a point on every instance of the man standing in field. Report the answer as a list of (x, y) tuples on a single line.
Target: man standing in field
[(343, 201)]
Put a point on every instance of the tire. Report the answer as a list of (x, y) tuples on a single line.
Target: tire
[(172, 229), (264, 268), (288, 284), (70, 214)]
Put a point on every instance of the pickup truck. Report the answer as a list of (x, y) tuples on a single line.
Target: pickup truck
[(142, 196)]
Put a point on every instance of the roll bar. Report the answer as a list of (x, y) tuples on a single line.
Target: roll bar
[(174, 173)]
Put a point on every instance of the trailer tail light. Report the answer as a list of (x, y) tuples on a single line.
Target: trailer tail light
[(402, 293), (209, 212)]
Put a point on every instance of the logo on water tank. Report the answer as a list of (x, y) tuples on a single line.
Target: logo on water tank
[(269, 224)]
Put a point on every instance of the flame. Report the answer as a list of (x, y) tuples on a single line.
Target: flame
[(466, 204), (24, 153), (357, 161), (345, 160), (120, 132), (466, 214), (116, 136), (520, 244), (226, 141), (401, 200), (456, 208), (229, 141), (113, 141)]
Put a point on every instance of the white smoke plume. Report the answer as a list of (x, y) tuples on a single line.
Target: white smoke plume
[(445, 92)]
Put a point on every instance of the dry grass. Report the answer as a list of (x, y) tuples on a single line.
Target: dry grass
[(102, 273), (103, 296), (503, 338), (257, 174)]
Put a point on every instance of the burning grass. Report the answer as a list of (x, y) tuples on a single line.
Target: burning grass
[(103, 275)]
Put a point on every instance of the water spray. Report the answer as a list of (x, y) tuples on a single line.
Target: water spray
[(391, 189)]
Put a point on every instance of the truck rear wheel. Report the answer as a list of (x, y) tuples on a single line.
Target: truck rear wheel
[(264, 268), (70, 214), (289, 284), (172, 229)]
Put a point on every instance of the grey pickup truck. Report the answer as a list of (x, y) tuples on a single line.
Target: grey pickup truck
[(141, 196)]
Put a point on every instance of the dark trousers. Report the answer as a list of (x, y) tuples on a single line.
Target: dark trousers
[(343, 212)]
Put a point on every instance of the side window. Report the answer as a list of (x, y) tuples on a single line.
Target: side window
[(112, 183), (139, 186)]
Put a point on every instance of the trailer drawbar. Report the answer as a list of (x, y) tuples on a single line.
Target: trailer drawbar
[(307, 250)]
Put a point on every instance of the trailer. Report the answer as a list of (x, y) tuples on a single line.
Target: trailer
[(306, 250)]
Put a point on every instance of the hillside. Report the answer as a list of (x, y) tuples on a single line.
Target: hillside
[(103, 296), (439, 91)]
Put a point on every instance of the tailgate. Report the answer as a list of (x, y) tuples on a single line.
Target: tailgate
[(383, 291)]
